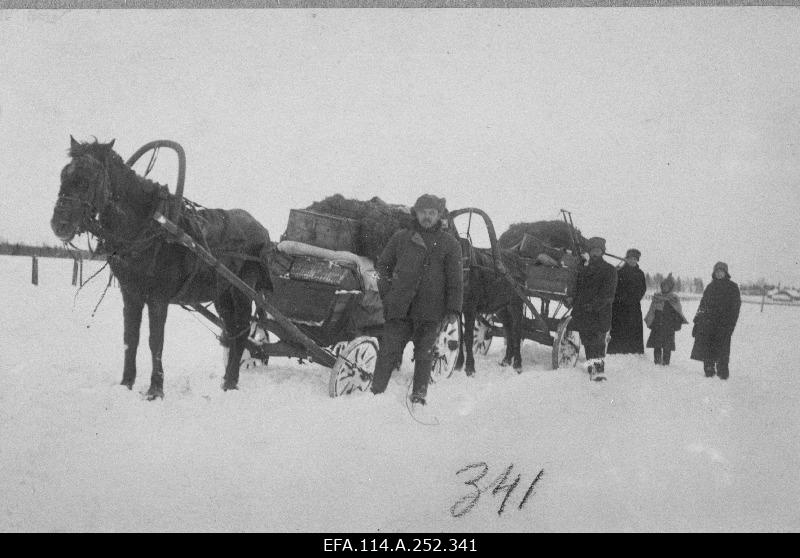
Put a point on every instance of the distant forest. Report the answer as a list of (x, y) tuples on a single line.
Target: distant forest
[(696, 284)]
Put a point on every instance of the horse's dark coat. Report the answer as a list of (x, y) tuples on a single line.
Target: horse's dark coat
[(101, 194), (488, 292)]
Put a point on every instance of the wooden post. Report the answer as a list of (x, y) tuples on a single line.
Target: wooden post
[(763, 296), (35, 270), (80, 270), (74, 272)]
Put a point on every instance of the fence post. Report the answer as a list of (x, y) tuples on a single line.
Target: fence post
[(80, 270), (74, 272), (763, 296), (35, 270)]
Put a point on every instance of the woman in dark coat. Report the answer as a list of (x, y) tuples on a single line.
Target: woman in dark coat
[(664, 318), (715, 321), (627, 332)]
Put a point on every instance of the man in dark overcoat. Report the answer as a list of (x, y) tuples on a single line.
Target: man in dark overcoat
[(591, 310), (421, 285), (627, 332), (715, 321)]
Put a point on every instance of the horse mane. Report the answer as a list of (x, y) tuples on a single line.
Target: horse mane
[(94, 148), (105, 153)]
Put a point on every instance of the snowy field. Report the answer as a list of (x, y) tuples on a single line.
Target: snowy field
[(651, 449)]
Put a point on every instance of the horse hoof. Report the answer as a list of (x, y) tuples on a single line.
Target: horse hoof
[(128, 385), (155, 393), (518, 370), (470, 370), (502, 364), (228, 386)]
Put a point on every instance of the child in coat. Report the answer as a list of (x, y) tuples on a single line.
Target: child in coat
[(664, 318)]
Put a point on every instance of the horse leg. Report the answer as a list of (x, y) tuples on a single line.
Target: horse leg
[(516, 314), (157, 316), (505, 317), (234, 309), (132, 314), (460, 359), (469, 336)]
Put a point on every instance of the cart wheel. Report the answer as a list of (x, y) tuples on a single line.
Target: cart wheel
[(566, 345), (338, 347), (481, 335), (354, 367), (445, 352), (253, 346)]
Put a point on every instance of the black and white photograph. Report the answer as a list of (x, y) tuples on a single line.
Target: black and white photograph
[(397, 268)]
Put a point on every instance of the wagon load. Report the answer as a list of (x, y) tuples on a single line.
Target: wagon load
[(330, 293), (339, 223), (324, 264), (549, 247), (531, 240)]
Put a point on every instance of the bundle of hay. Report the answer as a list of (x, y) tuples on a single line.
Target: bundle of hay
[(378, 220), (549, 237)]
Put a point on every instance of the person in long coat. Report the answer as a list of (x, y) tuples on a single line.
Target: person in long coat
[(664, 318), (715, 321), (591, 306), (627, 333), (420, 282)]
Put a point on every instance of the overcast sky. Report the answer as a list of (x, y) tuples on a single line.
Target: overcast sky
[(672, 130)]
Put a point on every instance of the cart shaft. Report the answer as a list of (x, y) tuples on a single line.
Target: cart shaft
[(315, 352)]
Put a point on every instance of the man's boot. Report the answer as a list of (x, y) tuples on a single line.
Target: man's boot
[(708, 368), (600, 371)]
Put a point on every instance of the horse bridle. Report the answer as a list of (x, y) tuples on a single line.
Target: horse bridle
[(92, 204)]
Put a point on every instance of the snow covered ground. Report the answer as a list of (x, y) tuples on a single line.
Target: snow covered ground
[(651, 449)]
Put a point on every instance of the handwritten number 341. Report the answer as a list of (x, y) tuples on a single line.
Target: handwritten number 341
[(500, 484)]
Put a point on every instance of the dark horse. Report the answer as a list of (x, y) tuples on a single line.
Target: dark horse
[(100, 194), (487, 291)]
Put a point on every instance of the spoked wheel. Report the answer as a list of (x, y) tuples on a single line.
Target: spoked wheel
[(253, 352), (566, 345), (354, 367), (481, 334), (445, 352), (338, 347)]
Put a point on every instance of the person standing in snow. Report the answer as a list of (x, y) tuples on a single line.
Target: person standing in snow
[(715, 321), (420, 285), (627, 333), (591, 306), (664, 318)]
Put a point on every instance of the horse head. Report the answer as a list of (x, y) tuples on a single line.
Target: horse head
[(84, 191)]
